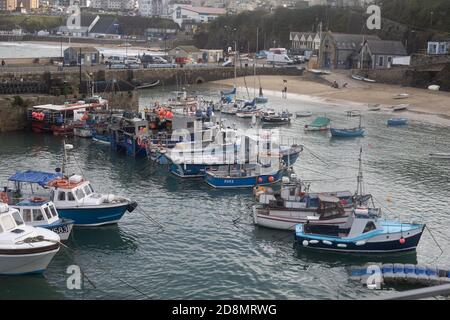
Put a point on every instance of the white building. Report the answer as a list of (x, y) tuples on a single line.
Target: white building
[(185, 13), (113, 4), (153, 8)]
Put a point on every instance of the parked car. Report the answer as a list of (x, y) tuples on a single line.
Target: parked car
[(149, 59), (114, 60), (132, 60)]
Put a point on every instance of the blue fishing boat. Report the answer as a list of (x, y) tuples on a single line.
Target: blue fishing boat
[(40, 212), (347, 133), (73, 196), (364, 232), (101, 138), (244, 175), (397, 122)]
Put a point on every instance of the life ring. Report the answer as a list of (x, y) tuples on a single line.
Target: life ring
[(37, 199), (62, 183)]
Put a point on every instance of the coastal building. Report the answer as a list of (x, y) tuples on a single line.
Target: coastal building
[(438, 47), (184, 13), (186, 54), (8, 5), (87, 56), (113, 4), (305, 40), (380, 54), (153, 8), (94, 26), (341, 50)]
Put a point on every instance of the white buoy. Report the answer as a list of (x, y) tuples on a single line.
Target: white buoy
[(314, 241), (305, 243), (360, 243), (342, 245), (327, 242)]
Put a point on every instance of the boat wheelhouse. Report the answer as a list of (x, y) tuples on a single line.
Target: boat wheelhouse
[(39, 212), (24, 249)]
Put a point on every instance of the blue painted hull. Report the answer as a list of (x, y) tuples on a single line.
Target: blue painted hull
[(397, 122), (369, 247), (93, 216), (342, 133), (242, 182)]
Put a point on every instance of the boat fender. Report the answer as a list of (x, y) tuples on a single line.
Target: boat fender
[(305, 243), (327, 242), (271, 179), (342, 245), (360, 243), (314, 241), (402, 240)]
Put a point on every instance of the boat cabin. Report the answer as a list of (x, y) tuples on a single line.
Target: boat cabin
[(10, 219), (37, 212), (74, 191)]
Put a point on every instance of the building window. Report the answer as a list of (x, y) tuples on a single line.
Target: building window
[(380, 61)]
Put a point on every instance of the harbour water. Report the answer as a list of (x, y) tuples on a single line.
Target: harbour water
[(209, 247)]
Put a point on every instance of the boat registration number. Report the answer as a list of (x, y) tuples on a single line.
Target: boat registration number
[(61, 229), (228, 181)]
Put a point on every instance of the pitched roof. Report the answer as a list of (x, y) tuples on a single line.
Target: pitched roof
[(106, 25), (86, 20), (386, 47), (188, 49), (204, 10), (347, 41)]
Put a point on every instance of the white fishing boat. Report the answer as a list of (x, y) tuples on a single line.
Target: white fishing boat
[(400, 107), (440, 155), (353, 113), (356, 77), (303, 114), (83, 132), (24, 249), (402, 96), (40, 212), (369, 80)]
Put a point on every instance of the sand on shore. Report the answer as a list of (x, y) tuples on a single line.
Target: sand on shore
[(359, 94)]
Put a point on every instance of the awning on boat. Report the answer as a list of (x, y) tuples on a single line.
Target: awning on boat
[(38, 177), (328, 198), (320, 122)]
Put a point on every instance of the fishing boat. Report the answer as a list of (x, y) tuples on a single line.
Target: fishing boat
[(400, 107), (440, 155), (434, 87), (356, 77), (369, 80), (348, 132), (101, 138), (244, 175), (397, 121), (83, 132), (148, 85), (73, 196), (40, 212), (271, 117), (319, 124), (293, 205), (353, 113), (248, 110), (364, 232), (374, 107), (24, 249), (402, 96), (303, 114)]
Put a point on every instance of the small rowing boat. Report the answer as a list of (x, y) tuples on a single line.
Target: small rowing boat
[(369, 80), (148, 85), (303, 114), (319, 124), (356, 77), (374, 107), (440, 155), (400, 107), (397, 121), (402, 96)]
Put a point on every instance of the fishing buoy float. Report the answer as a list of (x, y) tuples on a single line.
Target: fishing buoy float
[(271, 179), (360, 243), (314, 241), (342, 245), (327, 242), (260, 180), (305, 243), (402, 240)]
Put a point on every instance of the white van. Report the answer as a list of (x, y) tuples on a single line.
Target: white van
[(114, 60), (274, 58)]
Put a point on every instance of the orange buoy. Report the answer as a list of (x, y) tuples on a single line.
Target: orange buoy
[(260, 180), (271, 179)]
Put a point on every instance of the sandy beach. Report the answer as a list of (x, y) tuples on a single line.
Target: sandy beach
[(357, 95)]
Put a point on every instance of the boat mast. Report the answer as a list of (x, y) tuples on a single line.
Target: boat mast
[(254, 65), (360, 184), (63, 169)]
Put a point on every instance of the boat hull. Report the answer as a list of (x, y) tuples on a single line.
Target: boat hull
[(19, 264), (242, 182), (383, 243), (62, 228), (94, 216), (397, 122), (346, 133), (287, 219)]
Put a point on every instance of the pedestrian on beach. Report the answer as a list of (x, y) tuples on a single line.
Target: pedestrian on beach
[(284, 91), (3, 62)]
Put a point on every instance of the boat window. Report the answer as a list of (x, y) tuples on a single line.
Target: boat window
[(369, 227), (37, 215), (90, 187), (17, 218), (80, 194), (70, 196), (87, 190), (48, 213), (53, 210), (27, 215), (62, 196), (8, 223)]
